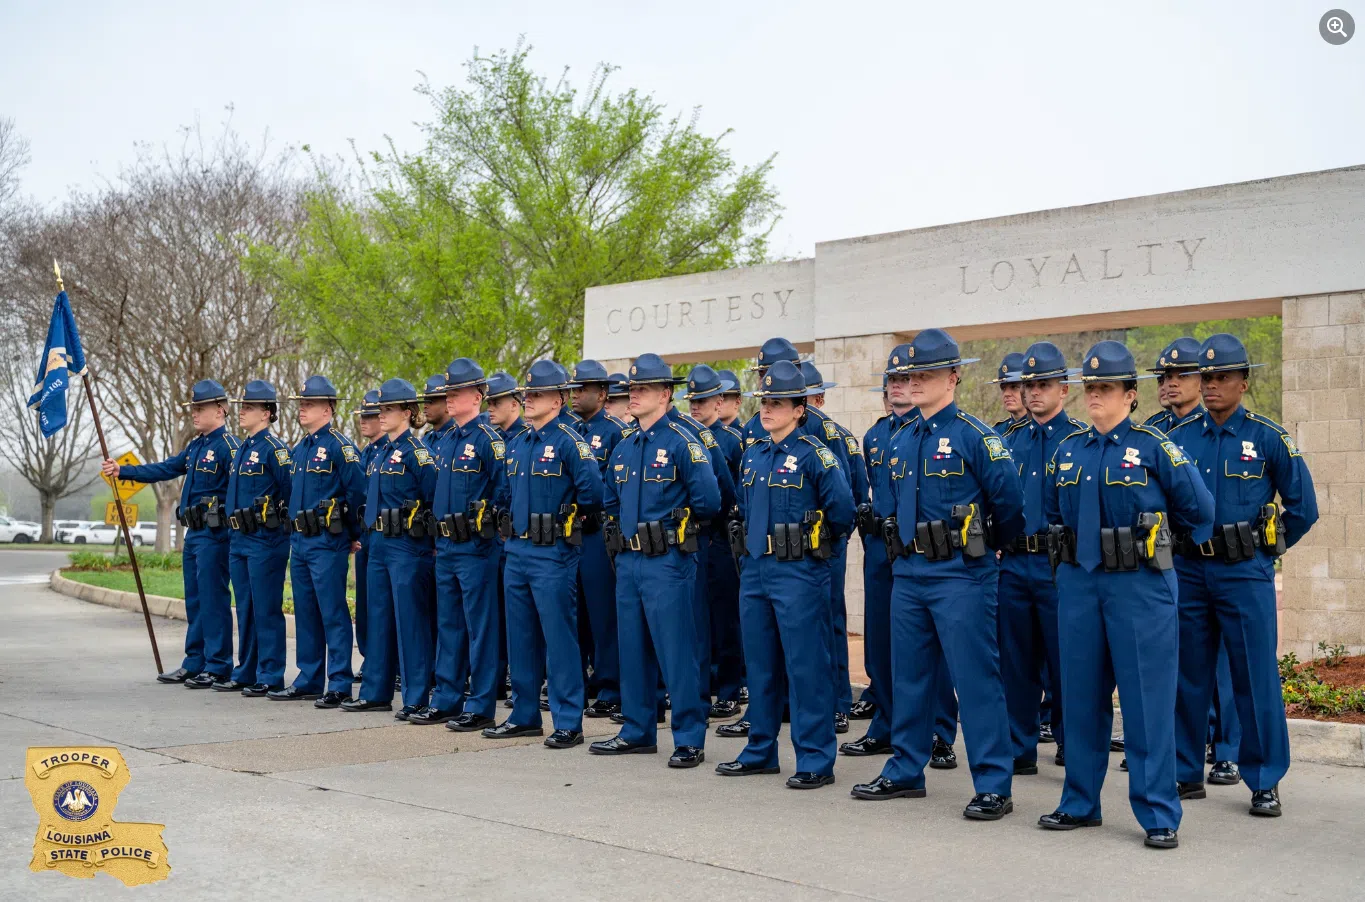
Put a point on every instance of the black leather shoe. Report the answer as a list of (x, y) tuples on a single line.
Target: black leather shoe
[(406, 711), (468, 722), (1023, 768), (744, 695), (356, 705), (1162, 839), (862, 710), (1225, 773), (331, 700), (228, 685), (942, 757), (1059, 759), (733, 730), (1045, 733), (736, 769), (564, 739), (509, 730), (808, 780), (881, 789), (203, 680), (722, 710), (179, 675), (429, 715), (988, 806), (1123, 765), (1116, 745), (1191, 791), (686, 756), (859, 748), (840, 722), (1209, 755), (292, 694), (600, 708), (260, 690), (618, 746), (1266, 802), (1058, 820)]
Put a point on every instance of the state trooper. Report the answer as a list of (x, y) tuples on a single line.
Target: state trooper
[(793, 500), (328, 487), (596, 579), (205, 463), (770, 352), (434, 412), (503, 401), (955, 499), (876, 576), (471, 486), (368, 417), (618, 397), (553, 478), (1011, 391), (400, 569), (658, 491), (730, 402), (718, 583), (1227, 583), (1030, 664), (257, 504), (1116, 492)]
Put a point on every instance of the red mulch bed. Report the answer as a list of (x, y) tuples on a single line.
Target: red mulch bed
[(1348, 674)]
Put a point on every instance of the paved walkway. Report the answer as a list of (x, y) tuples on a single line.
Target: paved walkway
[(270, 800)]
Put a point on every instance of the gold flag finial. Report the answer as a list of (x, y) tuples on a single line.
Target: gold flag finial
[(57, 269)]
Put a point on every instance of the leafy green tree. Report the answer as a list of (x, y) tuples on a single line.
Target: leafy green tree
[(526, 193)]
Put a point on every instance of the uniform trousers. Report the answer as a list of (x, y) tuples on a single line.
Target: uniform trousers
[(1027, 615), (400, 575), (541, 588), (208, 601), (468, 632), (258, 565), (322, 622)]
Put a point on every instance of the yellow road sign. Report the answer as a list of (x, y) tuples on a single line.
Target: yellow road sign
[(111, 513), (127, 488)]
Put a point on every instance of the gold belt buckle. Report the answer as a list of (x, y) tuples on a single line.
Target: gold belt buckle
[(915, 546), (232, 521), (378, 526), (445, 529), (1206, 549), (770, 545), (634, 543), (1031, 544)]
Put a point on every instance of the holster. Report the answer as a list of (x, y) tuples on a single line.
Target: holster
[(1061, 546), (685, 533), (482, 519), (416, 522), (816, 538), (612, 537), (267, 514), (505, 524), (1155, 544), (739, 538), (864, 520), (970, 530), (891, 535), (1271, 530), (570, 524), (788, 544)]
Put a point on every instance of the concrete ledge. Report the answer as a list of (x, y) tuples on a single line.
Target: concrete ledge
[(159, 605)]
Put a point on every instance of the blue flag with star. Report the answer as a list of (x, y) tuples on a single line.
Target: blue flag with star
[(62, 359)]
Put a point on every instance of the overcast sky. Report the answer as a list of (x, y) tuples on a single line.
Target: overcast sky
[(884, 116)]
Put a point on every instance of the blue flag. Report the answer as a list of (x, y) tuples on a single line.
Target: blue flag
[(62, 359)]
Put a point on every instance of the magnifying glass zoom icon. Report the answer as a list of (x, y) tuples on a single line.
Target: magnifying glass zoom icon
[(1336, 26)]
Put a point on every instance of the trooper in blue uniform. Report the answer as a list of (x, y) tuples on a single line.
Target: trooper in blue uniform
[(793, 499), (257, 504), (503, 400), (659, 489), (434, 413), (865, 706), (1227, 583), (1030, 664), (596, 579), (368, 417), (955, 499), (730, 402), (324, 501), (471, 486), (618, 397), (1116, 492), (770, 352), (400, 568), (718, 581), (553, 480), (1011, 391), (205, 463)]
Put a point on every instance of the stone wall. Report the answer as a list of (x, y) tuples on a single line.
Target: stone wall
[(1324, 409)]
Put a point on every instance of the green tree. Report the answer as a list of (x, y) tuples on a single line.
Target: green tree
[(526, 193)]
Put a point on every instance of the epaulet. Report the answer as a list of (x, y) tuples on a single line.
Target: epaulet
[(814, 441), (1192, 418), (1077, 424), (340, 436), (490, 432), (1155, 433), (276, 442), (733, 431), (1015, 424), (673, 424), (570, 432), (233, 441), (973, 422), (1073, 434), (1151, 420), (618, 421), (1266, 421)]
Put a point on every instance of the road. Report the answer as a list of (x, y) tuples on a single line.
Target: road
[(277, 800)]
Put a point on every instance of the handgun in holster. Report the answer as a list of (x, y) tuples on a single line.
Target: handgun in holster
[(970, 529), (787, 542), (1061, 546), (214, 518), (891, 535), (612, 537), (686, 531), (1271, 529), (864, 520), (739, 538), (328, 517), (414, 519), (505, 524), (816, 539), (267, 514), (1155, 543), (570, 524), (482, 519)]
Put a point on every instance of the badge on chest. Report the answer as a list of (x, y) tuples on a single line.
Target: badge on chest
[(321, 453), (253, 458), (660, 459), (547, 454), (945, 449), (1131, 458), (208, 456), (596, 442), (1248, 451), (468, 452), (789, 465), (396, 457)]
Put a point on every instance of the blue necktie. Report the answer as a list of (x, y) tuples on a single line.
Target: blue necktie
[(907, 496), (522, 500), (630, 489), (1033, 486), (757, 522), (1088, 516)]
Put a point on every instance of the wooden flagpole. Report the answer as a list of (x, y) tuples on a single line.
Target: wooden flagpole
[(118, 502)]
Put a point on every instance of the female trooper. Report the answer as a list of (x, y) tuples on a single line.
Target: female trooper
[(398, 508), (374, 437), (258, 510), (1227, 584), (1116, 492), (793, 498), (659, 489), (204, 463)]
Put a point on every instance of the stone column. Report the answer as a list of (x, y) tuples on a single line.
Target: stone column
[(1324, 408)]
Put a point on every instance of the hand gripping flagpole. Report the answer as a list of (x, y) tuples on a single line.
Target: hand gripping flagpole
[(118, 501)]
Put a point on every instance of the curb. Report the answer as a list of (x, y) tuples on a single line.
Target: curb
[(159, 605)]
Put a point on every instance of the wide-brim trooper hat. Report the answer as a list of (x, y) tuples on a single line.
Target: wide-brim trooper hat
[(206, 391), (500, 385), (369, 405), (1044, 360), (814, 380), (546, 375), (590, 371), (704, 382), (397, 391), (784, 379), (257, 391), (1010, 365), (1108, 361), (773, 350), (318, 388), (729, 376), (1181, 354), (651, 369), (932, 349), (1223, 352), (435, 388), (617, 387), (463, 372)]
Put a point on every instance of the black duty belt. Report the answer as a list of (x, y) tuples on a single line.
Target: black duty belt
[(1231, 542), (1034, 544)]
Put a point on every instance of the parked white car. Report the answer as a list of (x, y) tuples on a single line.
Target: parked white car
[(18, 531), (61, 527), (144, 532), (91, 534)]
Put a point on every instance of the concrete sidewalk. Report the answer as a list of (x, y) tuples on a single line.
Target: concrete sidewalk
[(274, 800)]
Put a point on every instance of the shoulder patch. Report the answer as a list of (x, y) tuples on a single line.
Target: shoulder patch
[(1174, 453), (627, 432), (584, 451), (831, 429), (698, 453), (282, 457), (996, 448), (826, 457), (852, 444), (423, 456), (1289, 443), (707, 438), (349, 454), (499, 449)]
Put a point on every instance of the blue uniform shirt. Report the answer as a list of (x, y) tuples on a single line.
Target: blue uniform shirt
[(753, 431), (404, 471), (877, 441), (470, 467), (1165, 420), (656, 470), (954, 458), (517, 428), (1138, 470), (781, 481), (731, 441), (206, 464), (602, 432), (368, 455), (431, 439), (1244, 463), (549, 468), (845, 447), (327, 466), (1032, 445), (714, 456), (262, 468)]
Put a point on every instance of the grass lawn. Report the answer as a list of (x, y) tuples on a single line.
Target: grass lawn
[(170, 583)]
